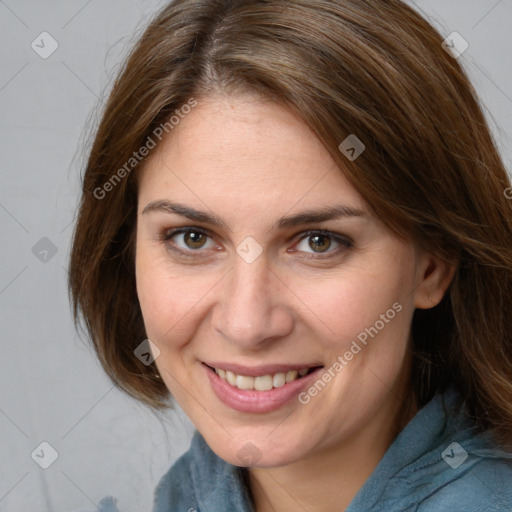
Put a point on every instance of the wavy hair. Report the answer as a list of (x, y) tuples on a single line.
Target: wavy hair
[(430, 171)]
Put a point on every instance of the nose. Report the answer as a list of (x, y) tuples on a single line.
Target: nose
[(252, 308)]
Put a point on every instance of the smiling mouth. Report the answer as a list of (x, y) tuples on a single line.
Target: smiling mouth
[(262, 382)]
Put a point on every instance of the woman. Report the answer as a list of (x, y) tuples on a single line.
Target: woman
[(295, 222)]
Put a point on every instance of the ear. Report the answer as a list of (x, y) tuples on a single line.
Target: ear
[(433, 277)]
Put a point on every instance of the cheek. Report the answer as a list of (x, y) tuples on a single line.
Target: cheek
[(170, 300), (365, 311), (343, 307)]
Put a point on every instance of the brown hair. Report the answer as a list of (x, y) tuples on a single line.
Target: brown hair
[(430, 170)]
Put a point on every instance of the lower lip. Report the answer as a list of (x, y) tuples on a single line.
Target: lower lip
[(244, 400)]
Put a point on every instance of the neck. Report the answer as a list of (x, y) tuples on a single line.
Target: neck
[(328, 480)]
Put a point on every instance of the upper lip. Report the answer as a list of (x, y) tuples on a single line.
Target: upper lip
[(255, 371)]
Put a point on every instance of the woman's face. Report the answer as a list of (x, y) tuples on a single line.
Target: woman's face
[(275, 265)]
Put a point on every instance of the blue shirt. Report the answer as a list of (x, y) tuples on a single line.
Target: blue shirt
[(436, 464)]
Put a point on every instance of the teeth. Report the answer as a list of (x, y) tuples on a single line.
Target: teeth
[(263, 383), (231, 378), (260, 383), (279, 380), (243, 382), (291, 375)]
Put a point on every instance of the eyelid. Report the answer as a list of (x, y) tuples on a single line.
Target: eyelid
[(342, 240), (168, 234)]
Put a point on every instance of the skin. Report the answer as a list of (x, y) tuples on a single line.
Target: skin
[(250, 162)]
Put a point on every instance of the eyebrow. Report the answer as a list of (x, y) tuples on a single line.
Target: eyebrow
[(304, 217)]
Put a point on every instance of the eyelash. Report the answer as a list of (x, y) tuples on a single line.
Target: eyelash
[(344, 242)]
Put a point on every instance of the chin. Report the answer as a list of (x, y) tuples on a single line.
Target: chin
[(256, 451)]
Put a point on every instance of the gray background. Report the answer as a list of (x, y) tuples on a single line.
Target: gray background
[(51, 387)]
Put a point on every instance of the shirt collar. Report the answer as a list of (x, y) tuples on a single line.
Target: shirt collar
[(219, 485)]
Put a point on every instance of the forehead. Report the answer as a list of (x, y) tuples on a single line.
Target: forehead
[(245, 152)]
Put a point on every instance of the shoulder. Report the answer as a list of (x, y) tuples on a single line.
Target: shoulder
[(176, 486), (461, 469), (201, 481), (484, 484), (440, 462), (483, 481)]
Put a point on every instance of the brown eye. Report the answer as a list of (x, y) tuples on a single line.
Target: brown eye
[(194, 239), (324, 242), (189, 240), (320, 243)]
